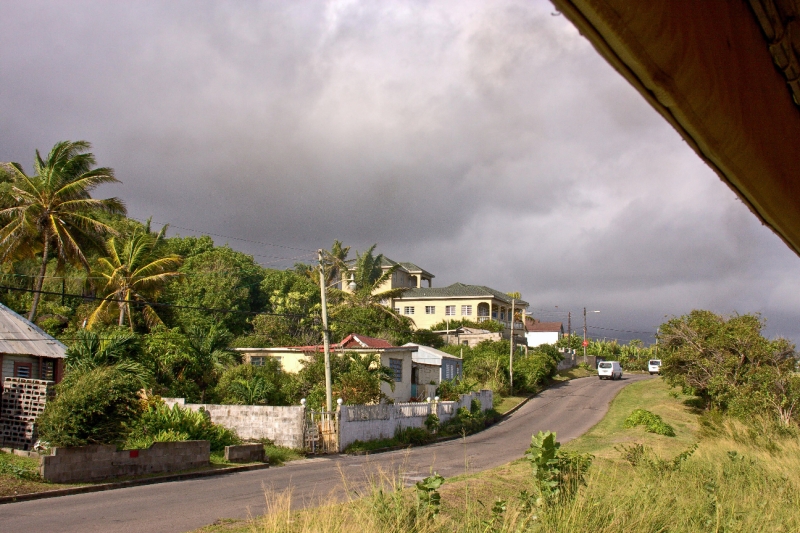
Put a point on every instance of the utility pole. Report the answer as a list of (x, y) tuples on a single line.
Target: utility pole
[(569, 328), (511, 354), (325, 336), (584, 334)]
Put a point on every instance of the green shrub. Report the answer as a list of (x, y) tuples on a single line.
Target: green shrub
[(652, 423), (413, 436), (252, 385), (97, 406), (159, 420)]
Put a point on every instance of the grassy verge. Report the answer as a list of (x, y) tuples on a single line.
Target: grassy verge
[(507, 403), (20, 475), (739, 478)]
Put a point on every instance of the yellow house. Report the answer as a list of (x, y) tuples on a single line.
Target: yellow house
[(397, 358), (478, 303), (406, 275)]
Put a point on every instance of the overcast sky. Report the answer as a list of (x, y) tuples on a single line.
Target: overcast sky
[(486, 142)]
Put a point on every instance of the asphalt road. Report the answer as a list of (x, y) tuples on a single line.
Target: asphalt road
[(570, 409)]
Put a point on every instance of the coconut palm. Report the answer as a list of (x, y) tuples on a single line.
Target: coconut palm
[(52, 212), (134, 274), (369, 277)]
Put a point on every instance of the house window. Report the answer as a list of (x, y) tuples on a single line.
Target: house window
[(397, 310), (466, 310), (450, 310), (397, 368), (257, 361), (22, 370), (48, 371), (408, 310), (430, 309), (448, 370)]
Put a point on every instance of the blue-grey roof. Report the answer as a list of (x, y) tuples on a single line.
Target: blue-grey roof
[(18, 336), (460, 290)]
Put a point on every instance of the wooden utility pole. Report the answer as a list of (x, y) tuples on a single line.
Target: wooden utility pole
[(584, 334), (511, 354), (325, 336)]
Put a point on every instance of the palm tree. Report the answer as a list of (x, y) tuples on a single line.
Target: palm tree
[(134, 273), (53, 212), (118, 350), (369, 277)]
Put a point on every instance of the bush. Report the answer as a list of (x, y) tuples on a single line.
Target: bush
[(93, 407), (652, 423), (252, 385), (160, 421)]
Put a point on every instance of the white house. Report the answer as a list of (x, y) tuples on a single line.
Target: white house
[(538, 333)]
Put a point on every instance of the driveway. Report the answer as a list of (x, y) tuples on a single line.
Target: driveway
[(569, 408)]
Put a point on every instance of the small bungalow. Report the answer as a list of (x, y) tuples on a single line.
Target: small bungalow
[(398, 358), (538, 333), (429, 368), (26, 351)]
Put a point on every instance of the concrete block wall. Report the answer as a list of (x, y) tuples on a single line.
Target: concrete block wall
[(283, 425), (98, 462), (370, 422), (246, 453), (23, 400)]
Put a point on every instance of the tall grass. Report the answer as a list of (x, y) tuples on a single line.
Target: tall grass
[(716, 475)]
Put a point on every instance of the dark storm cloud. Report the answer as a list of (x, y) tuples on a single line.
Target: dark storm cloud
[(486, 142)]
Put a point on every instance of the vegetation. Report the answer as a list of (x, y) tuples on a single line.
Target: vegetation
[(652, 423), (487, 366), (51, 213), (160, 423), (730, 366), (716, 474), (95, 406)]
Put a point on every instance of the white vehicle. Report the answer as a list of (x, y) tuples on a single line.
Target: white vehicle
[(609, 370), (654, 366)]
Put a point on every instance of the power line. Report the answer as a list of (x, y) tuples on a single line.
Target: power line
[(227, 236)]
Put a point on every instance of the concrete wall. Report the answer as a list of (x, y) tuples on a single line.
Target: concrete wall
[(370, 422), (283, 425), (569, 361), (94, 463)]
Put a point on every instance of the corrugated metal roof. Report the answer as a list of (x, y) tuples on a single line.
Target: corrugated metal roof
[(20, 337), (428, 355)]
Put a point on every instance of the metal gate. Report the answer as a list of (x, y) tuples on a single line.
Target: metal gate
[(322, 432)]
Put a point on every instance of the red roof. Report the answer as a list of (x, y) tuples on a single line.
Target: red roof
[(352, 341), (550, 327), (362, 341)]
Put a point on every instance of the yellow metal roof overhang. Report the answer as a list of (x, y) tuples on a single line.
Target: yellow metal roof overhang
[(707, 67)]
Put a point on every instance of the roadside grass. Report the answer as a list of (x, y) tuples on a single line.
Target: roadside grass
[(20, 475), (573, 373), (740, 478), (507, 403)]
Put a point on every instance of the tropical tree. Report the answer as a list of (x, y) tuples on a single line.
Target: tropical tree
[(52, 212), (134, 273), (369, 277), (117, 349)]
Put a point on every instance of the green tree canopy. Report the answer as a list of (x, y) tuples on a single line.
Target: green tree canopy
[(52, 212)]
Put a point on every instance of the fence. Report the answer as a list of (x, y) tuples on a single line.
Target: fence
[(370, 422), (283, 425)]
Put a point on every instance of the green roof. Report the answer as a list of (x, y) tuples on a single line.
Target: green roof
[(459, 290)]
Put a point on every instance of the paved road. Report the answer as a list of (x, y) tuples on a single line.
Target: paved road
[(570, 409)]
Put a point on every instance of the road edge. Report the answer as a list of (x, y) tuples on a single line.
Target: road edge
[(130, 483)]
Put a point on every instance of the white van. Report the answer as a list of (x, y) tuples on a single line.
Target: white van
[(609, 369), (654, 366)]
